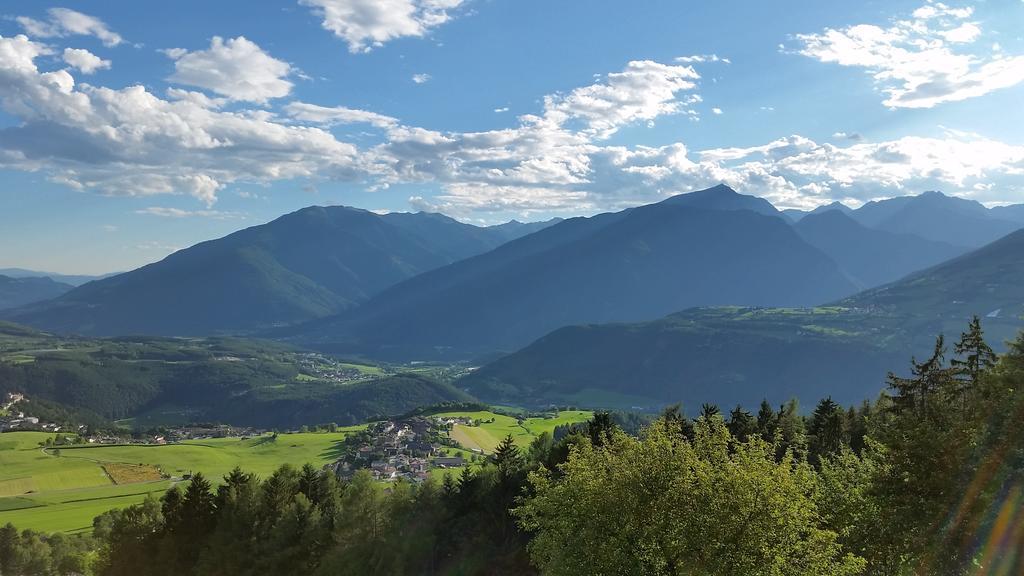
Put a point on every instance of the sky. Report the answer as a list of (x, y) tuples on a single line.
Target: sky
[(129, 130)]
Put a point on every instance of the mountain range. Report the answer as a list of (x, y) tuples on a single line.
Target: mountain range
[(311, 263), (932, 216), (423, 286), (692, 250), (16, 292), (741, 355), (72, 279)]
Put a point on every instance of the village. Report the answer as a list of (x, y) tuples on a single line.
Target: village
[(13, 418), (403, 448), (406, 448)]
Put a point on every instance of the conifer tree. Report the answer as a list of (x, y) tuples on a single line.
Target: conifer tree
[(767, 421), (742, 424), (827, 434)]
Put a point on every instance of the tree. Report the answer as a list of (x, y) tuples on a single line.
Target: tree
[(767, 421), (662, 505), (974, 358), (601, 428), (827, 434), (507, 458), (917, 394), (709, 411), (742, 424)]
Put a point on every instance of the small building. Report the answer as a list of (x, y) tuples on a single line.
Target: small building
[(449, 461)]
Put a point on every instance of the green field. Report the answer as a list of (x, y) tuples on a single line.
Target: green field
[(487, 435), (64, 493)]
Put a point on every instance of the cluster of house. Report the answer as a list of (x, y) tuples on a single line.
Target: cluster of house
[(11, 418), (323, 368), (395, 449)]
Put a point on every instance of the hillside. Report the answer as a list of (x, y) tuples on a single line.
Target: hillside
[(243, 382), (308, 264), (988, 282), (633, 265), (872, 257), (16, 292), (731, 355)]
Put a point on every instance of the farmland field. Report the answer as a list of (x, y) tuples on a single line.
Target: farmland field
[(487, 435), (65, 492)]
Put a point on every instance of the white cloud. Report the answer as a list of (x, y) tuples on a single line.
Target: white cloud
[(179, 213), (367, 24), (854, 136), (84, 61), (128, 141), (237, 69), (920, 62), (716, 111), (64, 22), (643, 91), (702, 58), (500, 110), (306, 112), (421, 78)]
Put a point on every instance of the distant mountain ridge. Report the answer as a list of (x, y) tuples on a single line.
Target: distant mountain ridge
[(932, 216), (72, 279), (741, 355), (872, 257), (713, 247), (16, 292), (310, 263)]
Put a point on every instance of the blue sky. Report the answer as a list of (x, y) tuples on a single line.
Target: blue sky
[(131, 129)]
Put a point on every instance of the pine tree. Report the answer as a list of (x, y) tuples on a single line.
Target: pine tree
[(742, 424), (309, 483), (507, 458), (709, 411), (917, 394), (827, 434), (974, 359), (767, 421), (676, 422), (601, 428)]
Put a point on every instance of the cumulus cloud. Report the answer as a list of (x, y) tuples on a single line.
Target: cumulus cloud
[(421, 78), (62, 22), (716, 111), (329, 116), (129, 141), (641, 92), (368, 24), (237, 69), (922, 61), (84, 61)]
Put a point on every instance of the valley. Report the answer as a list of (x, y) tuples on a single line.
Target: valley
[(61, 488)]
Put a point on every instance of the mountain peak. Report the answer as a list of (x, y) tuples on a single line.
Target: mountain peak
[(722, 197)]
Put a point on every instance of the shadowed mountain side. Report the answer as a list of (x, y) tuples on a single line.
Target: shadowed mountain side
[(871, 257), (308, 264), (633, 265), (16, 292)]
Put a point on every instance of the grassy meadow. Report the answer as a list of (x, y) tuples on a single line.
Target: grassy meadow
[(63, 490), (487, 435)]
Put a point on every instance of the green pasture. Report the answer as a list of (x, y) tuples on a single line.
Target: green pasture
[(43, 491), (487, 435)]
